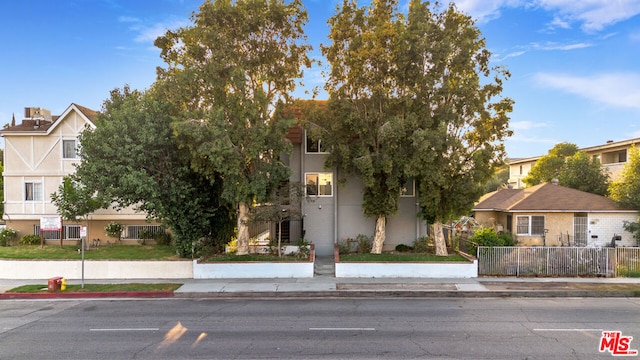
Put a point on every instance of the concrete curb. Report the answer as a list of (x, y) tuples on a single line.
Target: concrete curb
[(86, 295)]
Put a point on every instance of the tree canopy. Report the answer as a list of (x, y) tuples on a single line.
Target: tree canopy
[(231, 74), (416, 98), (572, 168), (133, 159), (626, 191)]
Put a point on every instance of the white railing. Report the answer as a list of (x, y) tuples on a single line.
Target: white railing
[(558, 261)]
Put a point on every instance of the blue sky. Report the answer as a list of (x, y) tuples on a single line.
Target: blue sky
[(574, 64)]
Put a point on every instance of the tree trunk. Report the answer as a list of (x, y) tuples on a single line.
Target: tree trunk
[(379, 236), (243, 229), (438, 234)]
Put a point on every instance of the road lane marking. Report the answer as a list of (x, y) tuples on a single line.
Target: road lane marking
[(342, 329), (127, 329)]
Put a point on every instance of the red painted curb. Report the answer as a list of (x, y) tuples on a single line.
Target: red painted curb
[(87, 295)]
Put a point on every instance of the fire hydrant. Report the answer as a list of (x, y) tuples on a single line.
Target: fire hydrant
[(63, 284)]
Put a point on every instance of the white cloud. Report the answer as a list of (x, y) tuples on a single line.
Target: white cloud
[(593, 15), (563, 47), (526, 125), (151, 33), (128, 19), (613, 89)]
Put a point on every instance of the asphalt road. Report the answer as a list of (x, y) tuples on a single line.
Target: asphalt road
[(491, 328)]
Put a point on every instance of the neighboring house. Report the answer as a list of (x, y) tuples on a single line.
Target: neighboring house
[(613, 156), (38, 153), (335, 211), (553, 215)]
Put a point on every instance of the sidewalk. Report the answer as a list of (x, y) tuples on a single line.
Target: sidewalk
[(332, 287)]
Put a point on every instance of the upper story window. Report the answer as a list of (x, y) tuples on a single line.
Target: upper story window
[(408, 189), (315, 146), (33, 191), (69, 149), (319, 184), (521, 169)]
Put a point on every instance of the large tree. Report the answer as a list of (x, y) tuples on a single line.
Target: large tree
[(231, 74), (454, 96), (548, 167), (133, 158), (572, 168), (364, 125), (626, 191), (584, 173)]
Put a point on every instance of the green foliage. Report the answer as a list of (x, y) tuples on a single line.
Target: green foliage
[(74, 200), (634, 228), (626, 191), (361, 244), (134, 159), (162, 238), (30, 239), (114, 230), (581, 172), (231, 74), (487, 236), (404, 248), (304, 248), (7, 236), (499, 179), (422, 244), (549, 167)]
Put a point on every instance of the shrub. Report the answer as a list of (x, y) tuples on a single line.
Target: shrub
[(343, 246), (7, 235), (232, 246), (30, 239), (404, 248), (162, 238), (489, 237), (143, 235), (364, 244), (304, 248), (114, 230), (420, 245)]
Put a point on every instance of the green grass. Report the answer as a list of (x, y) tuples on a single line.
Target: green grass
[(68, 252), (99, 288), (400, 258), (251, 258)]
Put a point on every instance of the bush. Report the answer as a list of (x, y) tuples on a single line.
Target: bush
[(30, 239), (162, 238), (7, 235), (421, 245), (304, 248), (114, 230), (364, 244), (489, 237), (404, 248)]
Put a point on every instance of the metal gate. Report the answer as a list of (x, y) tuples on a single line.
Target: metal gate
[(580, 229)]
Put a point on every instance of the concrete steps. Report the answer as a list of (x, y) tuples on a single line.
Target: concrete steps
[(324, 266)]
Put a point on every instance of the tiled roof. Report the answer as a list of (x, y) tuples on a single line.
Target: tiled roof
[(90, 114), (546, 197)]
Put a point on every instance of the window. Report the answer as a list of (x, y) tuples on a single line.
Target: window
[(68, 232), (33, 191), (133, 231), (69, 150), (530, 225), (319, 184), (408, 189), (315, 146)]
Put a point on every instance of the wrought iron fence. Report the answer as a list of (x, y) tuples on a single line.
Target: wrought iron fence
[(558, 261)]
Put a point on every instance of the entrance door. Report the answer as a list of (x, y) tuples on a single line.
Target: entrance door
[(580, 229)]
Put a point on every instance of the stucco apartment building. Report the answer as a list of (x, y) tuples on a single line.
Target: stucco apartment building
[(334, 212), (38, 153), (613, 156)]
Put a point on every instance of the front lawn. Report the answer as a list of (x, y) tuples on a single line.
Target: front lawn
[(403, 257), (69, 252), (133, 287)]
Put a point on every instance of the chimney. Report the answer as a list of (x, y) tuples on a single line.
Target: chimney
[(609, 141)]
